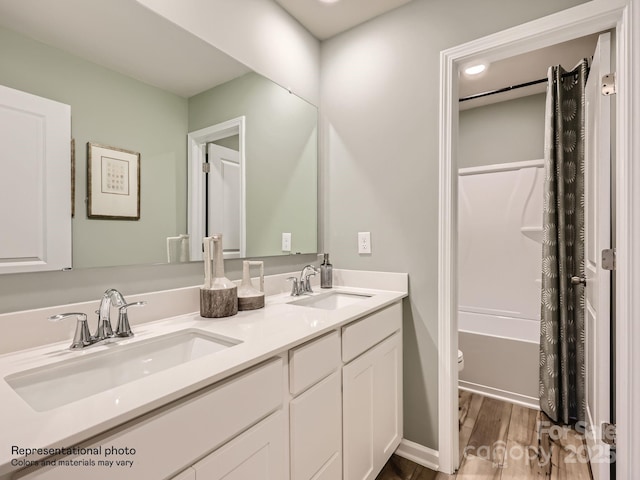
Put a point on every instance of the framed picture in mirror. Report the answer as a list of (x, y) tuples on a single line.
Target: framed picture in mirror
[(113, 183)]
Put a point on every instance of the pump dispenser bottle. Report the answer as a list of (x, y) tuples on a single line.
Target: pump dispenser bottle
[(326, 273)]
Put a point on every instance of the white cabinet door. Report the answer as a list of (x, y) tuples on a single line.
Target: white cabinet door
[(316, 431), (260, 453), (372, 409)]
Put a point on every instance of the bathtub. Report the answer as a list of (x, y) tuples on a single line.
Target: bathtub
[(508, 328), (501, 356)]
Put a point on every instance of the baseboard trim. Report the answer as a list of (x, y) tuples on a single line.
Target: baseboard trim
[(419, 454), (504, 395)]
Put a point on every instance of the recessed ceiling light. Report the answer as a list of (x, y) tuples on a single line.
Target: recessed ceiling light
[(475, 69), (328, 1)]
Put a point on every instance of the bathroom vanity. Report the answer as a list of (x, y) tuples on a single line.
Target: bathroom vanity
[(307, 388)]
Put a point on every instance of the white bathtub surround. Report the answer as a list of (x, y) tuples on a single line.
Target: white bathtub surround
[(263, 333), (500, 234)]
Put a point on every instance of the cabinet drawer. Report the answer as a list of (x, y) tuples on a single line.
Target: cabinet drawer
[(359, 336), (313, 361), (171, 438)]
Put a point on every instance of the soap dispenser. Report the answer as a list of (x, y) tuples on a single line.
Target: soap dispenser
[(326, 273)]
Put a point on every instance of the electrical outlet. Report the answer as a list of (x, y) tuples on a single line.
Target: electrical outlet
[(286, 242), (364, 242)]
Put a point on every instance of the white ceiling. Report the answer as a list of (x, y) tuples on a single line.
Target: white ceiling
[(324, 20), (126, 37)]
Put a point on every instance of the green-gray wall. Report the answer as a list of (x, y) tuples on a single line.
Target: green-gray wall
[(379, 103), (504, 132), (281, 159), (115, 110)]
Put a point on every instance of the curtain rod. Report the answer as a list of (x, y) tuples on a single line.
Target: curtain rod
[(512, 87)]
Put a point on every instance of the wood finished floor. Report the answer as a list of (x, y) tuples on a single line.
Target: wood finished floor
[(499, 441)]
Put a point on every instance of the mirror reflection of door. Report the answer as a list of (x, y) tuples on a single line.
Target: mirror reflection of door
[(223, 197)]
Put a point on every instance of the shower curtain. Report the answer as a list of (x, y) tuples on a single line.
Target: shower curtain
[(562, 359)]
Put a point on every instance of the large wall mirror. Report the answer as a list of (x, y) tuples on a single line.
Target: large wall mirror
[(137, 82)]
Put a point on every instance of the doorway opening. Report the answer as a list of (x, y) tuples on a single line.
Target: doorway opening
[(502, 188), (573, 23)]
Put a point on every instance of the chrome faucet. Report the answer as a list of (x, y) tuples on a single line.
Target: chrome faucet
[(104, 331), (305, 282), (110, 297), (302, 286), (123, 329)]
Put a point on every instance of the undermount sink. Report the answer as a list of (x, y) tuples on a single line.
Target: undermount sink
[(52, 386), (331, 301)]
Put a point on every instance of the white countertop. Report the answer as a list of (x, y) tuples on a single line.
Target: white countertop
[(263, 333)]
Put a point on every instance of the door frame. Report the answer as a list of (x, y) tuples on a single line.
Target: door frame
[(196, 152), (585, 19)]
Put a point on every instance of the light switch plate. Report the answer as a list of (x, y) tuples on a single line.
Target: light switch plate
[(286, 242), (364, 242)]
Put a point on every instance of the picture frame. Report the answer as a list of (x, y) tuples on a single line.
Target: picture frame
[(113, 183)]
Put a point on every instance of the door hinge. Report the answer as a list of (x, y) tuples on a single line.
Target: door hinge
[(609, 84), (609, 259), (609, 434), (206, 167)]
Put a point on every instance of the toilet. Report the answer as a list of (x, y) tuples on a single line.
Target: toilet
[(460, 361)]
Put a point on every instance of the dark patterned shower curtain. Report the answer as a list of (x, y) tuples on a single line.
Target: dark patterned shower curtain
[(562, 360)]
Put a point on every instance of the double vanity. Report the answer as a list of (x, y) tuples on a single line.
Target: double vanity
[(309, 387)]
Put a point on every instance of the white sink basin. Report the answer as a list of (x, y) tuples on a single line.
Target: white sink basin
[(52, 386), (331, 301)]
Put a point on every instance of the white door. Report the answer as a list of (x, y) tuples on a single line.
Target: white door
[(598, 238), (224, 208)]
